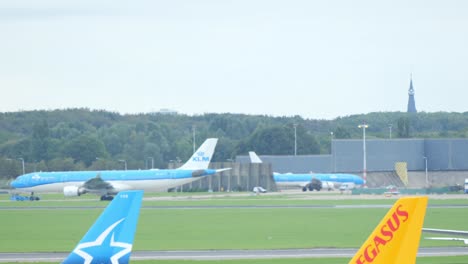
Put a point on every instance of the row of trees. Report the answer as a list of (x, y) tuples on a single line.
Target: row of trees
[(81, 139)]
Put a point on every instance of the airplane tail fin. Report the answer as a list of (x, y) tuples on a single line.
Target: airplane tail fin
[(200, 160), (110, 238), (396, 237), (254, 158)]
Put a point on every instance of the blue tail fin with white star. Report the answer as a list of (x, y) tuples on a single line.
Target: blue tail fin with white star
[(110, 238)]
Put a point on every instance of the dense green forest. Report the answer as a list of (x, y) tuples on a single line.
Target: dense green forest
[(83, 139)]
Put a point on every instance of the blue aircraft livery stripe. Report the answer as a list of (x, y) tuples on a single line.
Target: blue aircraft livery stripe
[(43, 178)]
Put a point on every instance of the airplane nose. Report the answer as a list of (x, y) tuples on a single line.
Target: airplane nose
[(14, 184), (17, 183)]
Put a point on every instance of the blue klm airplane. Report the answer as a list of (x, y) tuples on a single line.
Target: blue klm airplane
[(110, 238), (303, 180), (108, 183)]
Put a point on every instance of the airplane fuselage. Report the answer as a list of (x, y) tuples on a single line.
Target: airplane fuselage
[(147, 180), (301, 180)]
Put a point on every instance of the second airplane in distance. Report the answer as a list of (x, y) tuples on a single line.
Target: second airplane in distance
[(303, 180)]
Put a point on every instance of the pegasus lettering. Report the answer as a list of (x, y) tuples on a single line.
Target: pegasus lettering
[(386, 234)]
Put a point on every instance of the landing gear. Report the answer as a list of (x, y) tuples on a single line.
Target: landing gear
[(107, 197), (34, 198)]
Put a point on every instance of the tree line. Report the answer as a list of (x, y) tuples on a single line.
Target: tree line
[(84, 139)]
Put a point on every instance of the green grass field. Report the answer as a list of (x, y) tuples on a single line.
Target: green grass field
[(172, 229), (446, 260), (424, 260), (36, 229)]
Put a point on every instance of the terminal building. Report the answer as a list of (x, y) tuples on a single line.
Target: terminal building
[(381, 155), (445, 160)]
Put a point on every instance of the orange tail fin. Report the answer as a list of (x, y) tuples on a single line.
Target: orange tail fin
[(396, 237)]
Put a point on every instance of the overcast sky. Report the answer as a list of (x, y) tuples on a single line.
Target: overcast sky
[(316, 59)]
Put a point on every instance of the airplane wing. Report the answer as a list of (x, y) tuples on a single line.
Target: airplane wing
[(221, 170), (96, 183), (447, 232), (96, 186), (465, 240), (99, 186)]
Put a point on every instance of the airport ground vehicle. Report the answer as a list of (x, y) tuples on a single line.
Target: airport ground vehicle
[(347, 186), (314, 184), (466, 185), (259, 189), (17, 197)]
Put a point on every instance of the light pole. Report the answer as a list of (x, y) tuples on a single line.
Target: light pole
[(125, 162), (102, 164), (390, 131), (331, 152), (364, 165), (229, 175), (295, 139), (22, 164), (425, 163), (193, 137), (152, 162)]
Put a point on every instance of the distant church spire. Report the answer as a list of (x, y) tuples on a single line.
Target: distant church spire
[(411, 103)]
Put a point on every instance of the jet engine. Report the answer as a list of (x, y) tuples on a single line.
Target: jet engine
[(71, 191)]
